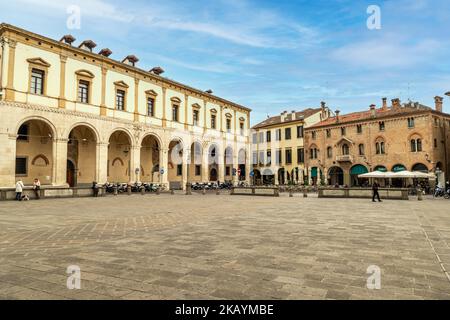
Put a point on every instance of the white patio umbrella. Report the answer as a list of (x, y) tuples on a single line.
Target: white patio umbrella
[(377, 174), (416, 174)]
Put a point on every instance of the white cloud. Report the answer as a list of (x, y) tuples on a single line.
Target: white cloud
[(386, 53)]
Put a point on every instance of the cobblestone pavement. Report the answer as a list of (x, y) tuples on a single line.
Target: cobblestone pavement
[(224, 247)]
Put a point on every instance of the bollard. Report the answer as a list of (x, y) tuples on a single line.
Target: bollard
[(291, 194), (419, 194), (172, 192), (116, 192), (142, 190), (129, 190), (157, 191), (305, 193), (218, 192), (204, 191), (188, 189)]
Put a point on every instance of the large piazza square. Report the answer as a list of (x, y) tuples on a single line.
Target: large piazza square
[(224, 247)]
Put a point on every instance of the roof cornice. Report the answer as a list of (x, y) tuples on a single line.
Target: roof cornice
[(7, 27)]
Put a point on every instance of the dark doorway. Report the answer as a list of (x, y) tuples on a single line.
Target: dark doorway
[(213, 175), (71, 177)]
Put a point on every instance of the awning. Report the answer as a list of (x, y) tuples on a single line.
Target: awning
[(358, 169), (399, 168), (314, 172)]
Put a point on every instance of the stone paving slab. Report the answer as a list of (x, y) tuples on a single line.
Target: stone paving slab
[(223, 247)]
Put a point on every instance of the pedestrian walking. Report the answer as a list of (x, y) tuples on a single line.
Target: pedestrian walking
[(375, 187), (19, 190), (37, 188)]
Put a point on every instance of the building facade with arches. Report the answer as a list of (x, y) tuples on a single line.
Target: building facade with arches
[(399, 137), (71, 116)]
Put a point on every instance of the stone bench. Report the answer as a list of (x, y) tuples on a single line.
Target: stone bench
[(255, 191), (364, 193), (47, 192)]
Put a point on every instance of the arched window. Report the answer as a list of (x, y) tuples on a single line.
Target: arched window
[(329, 152), (345, 149), (380, 146), (361, 149), (416, 145)]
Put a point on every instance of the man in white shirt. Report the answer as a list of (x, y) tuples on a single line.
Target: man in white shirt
[(19, 190)]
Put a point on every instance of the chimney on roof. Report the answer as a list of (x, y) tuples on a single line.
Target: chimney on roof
[(324, 112), (293, 117), (337, 115), (385, 106), (87, 45), (68, 39), (438, 101), (373, 110), (130, 60), (105, 52), (283, 116), (157, 70), (396, 103)]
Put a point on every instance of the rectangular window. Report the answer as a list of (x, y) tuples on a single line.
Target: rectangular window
[(261, 137), (278, 158), (255, 158), (83, 91), (269, 158), (288, 154), (120, 100), (213, 121), (435, 143), (299, 131), (179, 170), (37, 81), (150, 107), (287, 133), (313, 135), (381, 126), (228, 125), (174, 113), (21, 166), (359, 128), (328, 133), (343, 131), (241, 128), (195, 117), (255, 138), (261, 158), (300, 155), (268, 136), (410, 122), (198, 170), (278, 135)]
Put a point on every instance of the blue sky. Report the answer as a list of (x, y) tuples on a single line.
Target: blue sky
[(265, 54)]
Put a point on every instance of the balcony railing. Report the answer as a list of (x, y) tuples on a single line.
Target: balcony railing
[(344, 158)]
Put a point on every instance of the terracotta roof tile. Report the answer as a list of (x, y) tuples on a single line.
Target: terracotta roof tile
[(277, 119)]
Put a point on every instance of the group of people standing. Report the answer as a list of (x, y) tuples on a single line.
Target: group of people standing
[(20, 186)]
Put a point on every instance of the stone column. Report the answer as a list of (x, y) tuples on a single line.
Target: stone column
[(59, 160), (184, 177), (135, 163), (235, 168), (102, 162), (205, 166), (7, 160), (164, 165), (309, 176)]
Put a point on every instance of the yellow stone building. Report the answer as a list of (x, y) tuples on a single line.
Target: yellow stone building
[(278, 152), (388, 138), (71, 116)]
